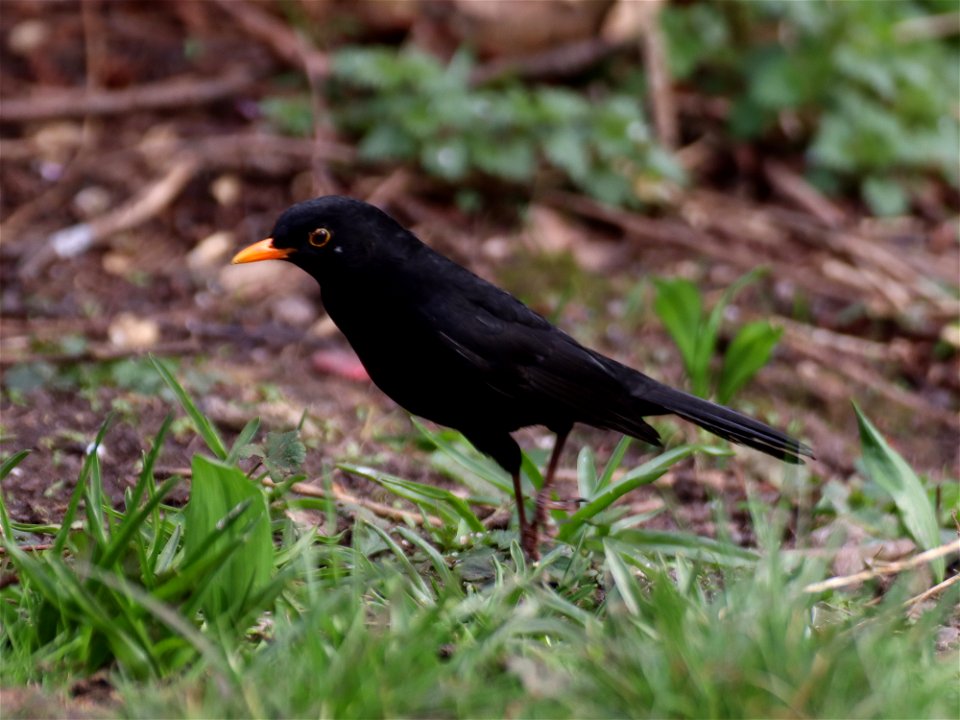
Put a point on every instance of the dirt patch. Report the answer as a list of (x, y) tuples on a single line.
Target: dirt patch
[(250, 332)]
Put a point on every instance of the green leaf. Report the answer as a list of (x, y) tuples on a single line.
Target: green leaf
[(586, 472), (749, 351), (448, 159), (710, 330), (11, 462), (241, 446), (680, 308), (889, 470), (643, 475), (284, 451), (387, 141), (566, 149), (292, 116), (216, 490), (885, 196), (509, 160)]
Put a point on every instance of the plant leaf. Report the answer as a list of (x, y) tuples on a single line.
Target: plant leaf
[(749, 351), (889, 470)]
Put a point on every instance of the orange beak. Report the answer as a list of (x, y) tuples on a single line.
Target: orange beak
[(263, 250)]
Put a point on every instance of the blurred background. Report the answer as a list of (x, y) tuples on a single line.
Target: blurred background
[(775, 178)]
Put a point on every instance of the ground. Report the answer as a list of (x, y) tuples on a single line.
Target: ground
[(862, 301)]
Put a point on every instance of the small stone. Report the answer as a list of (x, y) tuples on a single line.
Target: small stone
[(27, 36), (226, 189), (56, 141), (295, 310), (136, 333), (92, 201), (255, 280), (210, 252), (118, 264)]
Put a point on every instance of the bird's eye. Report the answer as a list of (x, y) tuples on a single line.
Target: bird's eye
[(319, 237)]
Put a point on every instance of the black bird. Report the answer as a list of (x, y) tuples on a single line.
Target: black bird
[(453, 348)]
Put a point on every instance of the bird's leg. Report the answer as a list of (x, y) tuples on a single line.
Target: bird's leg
[(528, 532), (543, 496)]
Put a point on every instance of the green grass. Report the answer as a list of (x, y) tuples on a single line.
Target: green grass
[(229, 607)]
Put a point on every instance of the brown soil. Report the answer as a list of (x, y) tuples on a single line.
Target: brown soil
[(249, 333)]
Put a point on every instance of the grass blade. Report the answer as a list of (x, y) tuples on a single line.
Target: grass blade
[(206, 429), (643, 475), (887, 468), (78, 492)]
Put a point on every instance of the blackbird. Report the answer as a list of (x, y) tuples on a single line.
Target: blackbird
[(451, 347)]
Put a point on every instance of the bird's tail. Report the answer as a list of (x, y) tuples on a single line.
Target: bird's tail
[(726, 423)]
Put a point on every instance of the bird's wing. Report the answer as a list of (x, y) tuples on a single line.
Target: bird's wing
[(518, 353)]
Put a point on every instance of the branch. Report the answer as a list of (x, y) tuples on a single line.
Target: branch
[(887, 569), (165, 94)]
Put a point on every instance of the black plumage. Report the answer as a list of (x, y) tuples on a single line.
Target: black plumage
[(451, 347)]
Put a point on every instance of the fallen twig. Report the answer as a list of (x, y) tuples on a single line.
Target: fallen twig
[(341, 495), (277, 35), (99, 353), (77, 239), (556, 62), (663, 107), (795, 188), (164, 94), (931, 592), (893, 568)]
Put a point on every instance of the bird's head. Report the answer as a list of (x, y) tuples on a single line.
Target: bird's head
[(331, 234)]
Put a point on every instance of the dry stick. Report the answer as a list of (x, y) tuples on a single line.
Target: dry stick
[(100, 353), (295, 50), (886, 569), (795, 188), (863, 251), (930, 592), (877, 383), (77, 239), (797, 333), (343, 496), (563, 60), (661, 88), (274, 33), (175, 93)]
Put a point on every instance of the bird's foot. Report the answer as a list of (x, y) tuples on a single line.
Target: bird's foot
[(530, 541)]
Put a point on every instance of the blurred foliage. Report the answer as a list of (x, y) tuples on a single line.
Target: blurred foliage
[(696, 332), (859, 88), (406, 106), (871, 100)]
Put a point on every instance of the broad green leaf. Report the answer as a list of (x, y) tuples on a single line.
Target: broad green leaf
[(680, 308), (885, 196), (707, 339), (567, 150), (643, 475), (889, 470), (215, 491), (586, 472), (284, 451), (749, 351), (448, 159)]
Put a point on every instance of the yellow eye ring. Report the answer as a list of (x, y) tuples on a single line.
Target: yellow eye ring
[(319, 237)]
